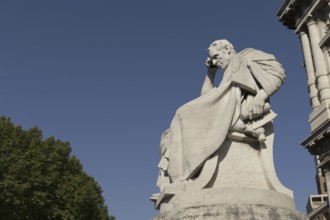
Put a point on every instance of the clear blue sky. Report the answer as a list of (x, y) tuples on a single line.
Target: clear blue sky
[(108, 76)]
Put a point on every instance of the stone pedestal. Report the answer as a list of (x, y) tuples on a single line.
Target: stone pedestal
[(237, 183), (232, 212), (230, 204)]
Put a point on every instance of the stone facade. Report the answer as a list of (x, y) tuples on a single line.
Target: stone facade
[(310, 19)]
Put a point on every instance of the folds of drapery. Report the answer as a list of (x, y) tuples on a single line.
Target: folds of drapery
[(199, 127)]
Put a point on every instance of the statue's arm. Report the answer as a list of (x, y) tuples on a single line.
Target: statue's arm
[(270, 76), (208, 82), (256, 107)]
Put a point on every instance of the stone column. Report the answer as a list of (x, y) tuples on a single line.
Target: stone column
[(310, 70), (320, 71)]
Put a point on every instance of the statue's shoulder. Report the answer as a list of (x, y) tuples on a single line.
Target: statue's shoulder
[(253, 54)]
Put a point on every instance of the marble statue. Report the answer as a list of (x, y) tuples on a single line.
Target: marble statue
[(222, 141)]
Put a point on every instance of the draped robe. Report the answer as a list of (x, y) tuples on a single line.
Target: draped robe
[(200, 127)]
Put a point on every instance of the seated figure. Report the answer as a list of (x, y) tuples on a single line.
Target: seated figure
[(234, 115)]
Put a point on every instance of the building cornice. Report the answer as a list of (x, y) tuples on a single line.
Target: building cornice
[(290, 10), (317, 136), (308, 14)]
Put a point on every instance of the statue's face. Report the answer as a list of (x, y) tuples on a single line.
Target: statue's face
[(220, 57)]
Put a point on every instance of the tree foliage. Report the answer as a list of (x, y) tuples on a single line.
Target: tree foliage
[(40, 180)]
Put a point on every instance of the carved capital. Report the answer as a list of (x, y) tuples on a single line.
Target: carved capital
[(310, 21), (302, 32)]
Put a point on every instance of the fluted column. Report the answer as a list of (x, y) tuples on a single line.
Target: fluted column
[(322, 79), (309, 70)]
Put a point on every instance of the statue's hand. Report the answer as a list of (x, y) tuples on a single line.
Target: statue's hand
[(257, 105), (211, 69)]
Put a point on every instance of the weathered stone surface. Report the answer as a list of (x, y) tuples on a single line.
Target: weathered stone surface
[(239, 104), (214, 196), (217, 155), (232, 212)]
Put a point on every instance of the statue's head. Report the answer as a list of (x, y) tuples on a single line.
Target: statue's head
[(220, 53)]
